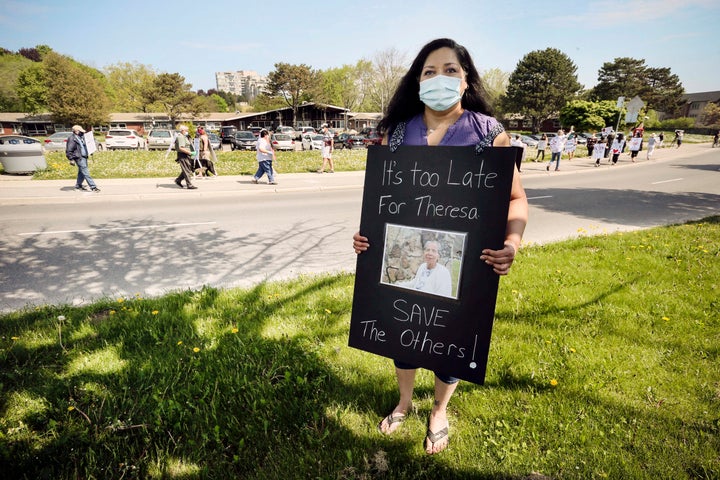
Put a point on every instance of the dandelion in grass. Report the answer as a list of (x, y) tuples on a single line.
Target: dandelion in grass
[(155, 312), (196, 349), (112, 312), (14, 338), (553, 383), (327, 311), (71, 408), (179, 342), (61, 318), (120, 300), (572, 350), (666, 319), (234, 330)]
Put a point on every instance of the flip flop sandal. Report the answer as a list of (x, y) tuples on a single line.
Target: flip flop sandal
[(436, 437), (392, 418)]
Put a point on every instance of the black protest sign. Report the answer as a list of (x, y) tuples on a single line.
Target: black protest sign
[(422, 295)]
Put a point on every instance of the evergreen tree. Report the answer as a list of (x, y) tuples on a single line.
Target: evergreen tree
[(540, 85)]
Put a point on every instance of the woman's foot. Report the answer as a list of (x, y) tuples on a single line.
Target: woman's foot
[(392, 422), (437, 438)]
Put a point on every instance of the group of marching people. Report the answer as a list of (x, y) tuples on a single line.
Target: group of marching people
[(609, 146)]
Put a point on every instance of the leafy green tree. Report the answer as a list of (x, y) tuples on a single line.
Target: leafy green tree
[(74, 94), (292, 83), (339, 86), (589, 116), (32, 89), (364, 71), (664, 90), (265, 102), (11, 67), (540, 85), (388, 67), (628, 77), (496, 84), (172, 95), (219, 103), (711, 115), (128, 82)]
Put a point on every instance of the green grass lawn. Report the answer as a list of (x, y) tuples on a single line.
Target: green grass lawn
[(603, 364), (142, 164)]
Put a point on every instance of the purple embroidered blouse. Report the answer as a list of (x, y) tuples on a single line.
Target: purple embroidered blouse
[(470, 129)]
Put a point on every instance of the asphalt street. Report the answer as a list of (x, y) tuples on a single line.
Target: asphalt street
[(62, 246)]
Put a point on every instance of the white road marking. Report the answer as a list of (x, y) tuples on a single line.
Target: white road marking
[(140, 227), (537, 198), (667, 181)]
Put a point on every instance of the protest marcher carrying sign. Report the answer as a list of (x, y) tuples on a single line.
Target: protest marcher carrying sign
[(457, 202)]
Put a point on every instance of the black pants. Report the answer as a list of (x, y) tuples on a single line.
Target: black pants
[(209, 166), (186, 170)]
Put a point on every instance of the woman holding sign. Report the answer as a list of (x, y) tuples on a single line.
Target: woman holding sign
[(441, 101)]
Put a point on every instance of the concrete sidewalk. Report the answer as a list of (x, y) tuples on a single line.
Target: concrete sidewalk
[(22, 189)]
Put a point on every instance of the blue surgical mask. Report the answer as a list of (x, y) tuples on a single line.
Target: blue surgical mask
[(440, 92)]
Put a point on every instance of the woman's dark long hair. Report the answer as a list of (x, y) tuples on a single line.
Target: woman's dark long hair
[(406, 103)]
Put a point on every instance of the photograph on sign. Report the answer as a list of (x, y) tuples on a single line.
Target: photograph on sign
[(423, 260)]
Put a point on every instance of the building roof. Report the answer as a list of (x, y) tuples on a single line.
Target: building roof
[(702, 97)]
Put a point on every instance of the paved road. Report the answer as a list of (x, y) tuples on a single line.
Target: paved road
[(149, 237)]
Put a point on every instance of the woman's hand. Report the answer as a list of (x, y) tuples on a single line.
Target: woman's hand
[(500, 260), (360, 243)]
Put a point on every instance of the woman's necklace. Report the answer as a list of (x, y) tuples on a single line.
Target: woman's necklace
[(443, 125)]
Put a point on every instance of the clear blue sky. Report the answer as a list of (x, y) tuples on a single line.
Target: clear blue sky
[(199, 38)]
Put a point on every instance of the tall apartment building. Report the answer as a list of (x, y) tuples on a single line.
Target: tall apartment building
[(242, 82)]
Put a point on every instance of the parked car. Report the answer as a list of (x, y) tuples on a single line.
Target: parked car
[(282, 141), (255, 131), (304, 130), (215, 142), (227, 133), (312, 142), (244, 140), (339, 141), (355, 141), (160, 139), (529, 141), (56, 141), (117, 138), (282, 129), (373, 138)]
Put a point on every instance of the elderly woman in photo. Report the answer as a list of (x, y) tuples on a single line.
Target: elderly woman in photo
[(431, 276)]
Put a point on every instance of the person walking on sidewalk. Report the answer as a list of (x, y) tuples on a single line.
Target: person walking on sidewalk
[(542, 143), (206, 152), (327, 149), (617, 147), (184, 149), (598, 152), (557, 145), (651, 145), (265, 156), (76, 151)]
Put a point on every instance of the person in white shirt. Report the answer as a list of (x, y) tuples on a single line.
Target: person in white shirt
[(431, 276), (557, 145)]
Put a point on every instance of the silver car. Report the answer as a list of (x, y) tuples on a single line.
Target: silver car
[(282, 141), (160, 139), (56, 141)]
